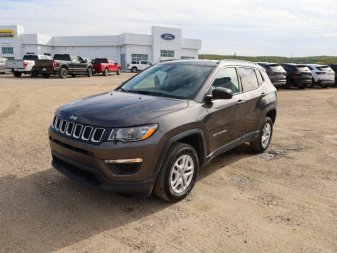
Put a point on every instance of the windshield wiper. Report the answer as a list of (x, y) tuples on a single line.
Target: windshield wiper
[(147, 92)]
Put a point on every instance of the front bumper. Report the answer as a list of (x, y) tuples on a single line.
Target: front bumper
[(85, 162)]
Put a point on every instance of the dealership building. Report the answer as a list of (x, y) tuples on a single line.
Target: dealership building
[(164, 43)]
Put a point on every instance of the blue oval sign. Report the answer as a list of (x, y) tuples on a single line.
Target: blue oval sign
[(167, 36)]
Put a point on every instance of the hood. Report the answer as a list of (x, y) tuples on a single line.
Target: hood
[(120, 109)]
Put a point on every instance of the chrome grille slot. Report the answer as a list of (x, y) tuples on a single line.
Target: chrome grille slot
[(54, 121), (77, 131), (70, 128), (97, 135), (86, 133), (63, 126), (57, 123)]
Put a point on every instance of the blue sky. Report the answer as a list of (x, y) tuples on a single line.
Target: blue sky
[(259, 27)]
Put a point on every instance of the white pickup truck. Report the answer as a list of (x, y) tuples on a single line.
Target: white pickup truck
[(138, 66), (24, 66)]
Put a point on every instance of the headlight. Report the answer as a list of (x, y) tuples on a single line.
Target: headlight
[(132, 133)]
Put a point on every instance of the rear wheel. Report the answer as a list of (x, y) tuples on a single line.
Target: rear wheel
[(178, 173), (301, 86), (106, 72), (17, 74), (63, 73), (263, 141), (324, 86), (134, 70), (118, 71)]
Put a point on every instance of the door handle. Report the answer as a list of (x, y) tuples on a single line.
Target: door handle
[(241, 101), (263, 94)]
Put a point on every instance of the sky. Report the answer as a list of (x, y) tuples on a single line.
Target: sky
[(246, 27)]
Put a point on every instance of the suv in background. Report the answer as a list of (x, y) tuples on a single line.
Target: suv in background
[(158, 128), (276, 73), (322, 75), (334, 68), (298, 75)]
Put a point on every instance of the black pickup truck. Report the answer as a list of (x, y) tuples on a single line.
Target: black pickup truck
[(62, 65)]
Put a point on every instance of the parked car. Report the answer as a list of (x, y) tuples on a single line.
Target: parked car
[(322, 75), (298, 75), (105, 66), (158, 128), (3, 65), (334, 68), (138, 66), (276, 73), (25, 66), (62, 65)]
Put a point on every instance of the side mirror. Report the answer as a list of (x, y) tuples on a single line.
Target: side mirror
[(220, 93)]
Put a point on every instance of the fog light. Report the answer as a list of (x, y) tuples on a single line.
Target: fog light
[(135, 160)]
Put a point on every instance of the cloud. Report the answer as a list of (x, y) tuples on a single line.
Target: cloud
[(259, 27)]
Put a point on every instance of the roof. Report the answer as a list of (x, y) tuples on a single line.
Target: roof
[(213, 62)]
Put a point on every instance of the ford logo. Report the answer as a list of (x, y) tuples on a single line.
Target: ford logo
[(167, 36)]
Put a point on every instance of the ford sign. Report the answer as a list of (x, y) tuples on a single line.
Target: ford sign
[(167, 36)]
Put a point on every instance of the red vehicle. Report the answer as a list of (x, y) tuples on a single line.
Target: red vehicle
[(105, 66)]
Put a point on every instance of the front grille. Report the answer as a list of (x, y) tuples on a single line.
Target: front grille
[(78, 131)]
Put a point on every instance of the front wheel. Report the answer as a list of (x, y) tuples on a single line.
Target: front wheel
[(118, 71), (178, 173), (106, 72), (263, 141), (324, 86), (89, 72), (134, 70)]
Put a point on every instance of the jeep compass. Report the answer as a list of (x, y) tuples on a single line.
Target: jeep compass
[(154, 132)]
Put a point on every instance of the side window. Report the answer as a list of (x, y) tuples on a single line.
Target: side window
[(310, 67), (259, 77), (227, 78), (248, 79)]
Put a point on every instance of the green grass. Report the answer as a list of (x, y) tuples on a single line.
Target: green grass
[(277, 59)]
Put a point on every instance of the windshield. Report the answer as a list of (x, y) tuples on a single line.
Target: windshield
[(62, 57), (30, 57), (169, 80), (100, 60), (276, 67)]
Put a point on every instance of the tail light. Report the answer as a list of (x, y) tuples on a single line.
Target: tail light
[(25, 64), (54, 65), (320, 73)]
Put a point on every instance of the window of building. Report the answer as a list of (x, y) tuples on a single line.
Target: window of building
[(166, 53), (135, 58), (248, 79), (187, 58), (227, 78), (7, 50)]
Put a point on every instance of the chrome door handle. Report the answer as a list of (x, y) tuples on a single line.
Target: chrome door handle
[(241, 101)]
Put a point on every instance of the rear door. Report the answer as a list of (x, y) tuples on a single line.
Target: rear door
[(225, 114), (252, 91)]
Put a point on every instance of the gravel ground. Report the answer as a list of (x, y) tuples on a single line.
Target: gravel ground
[(281, 201)]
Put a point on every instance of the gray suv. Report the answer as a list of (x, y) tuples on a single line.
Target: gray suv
[(157, 129)]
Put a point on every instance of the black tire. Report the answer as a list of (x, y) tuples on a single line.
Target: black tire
[(34, 74), (163, 187), (301, 86), (89, 72), (17, 74), (106, 72), (46, 75), (118, 71), (134, 70), (324, 86), (63, 73), (259, 145)]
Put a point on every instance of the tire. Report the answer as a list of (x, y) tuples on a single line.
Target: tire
[(63, 73), (34, 74), (261, 144), (106, 72), (17, 74), (46, 75), (301, 86), (171, 185), (134, 70), (89, 72), (118, 72), (324, 86)]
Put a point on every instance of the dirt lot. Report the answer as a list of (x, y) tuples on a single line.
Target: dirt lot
[(281, 201)]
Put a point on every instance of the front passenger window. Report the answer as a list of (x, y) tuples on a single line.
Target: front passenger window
[(227, 78)]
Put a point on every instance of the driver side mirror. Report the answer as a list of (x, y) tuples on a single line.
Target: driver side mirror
[(220, 93)]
